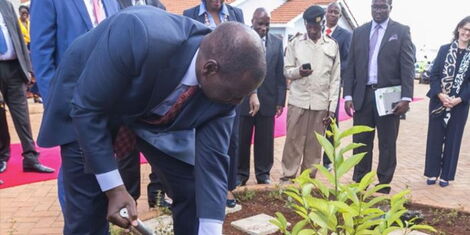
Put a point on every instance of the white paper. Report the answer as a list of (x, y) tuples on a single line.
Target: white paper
[(385, 98)]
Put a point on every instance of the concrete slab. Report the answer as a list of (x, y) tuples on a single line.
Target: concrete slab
[(256, 225)]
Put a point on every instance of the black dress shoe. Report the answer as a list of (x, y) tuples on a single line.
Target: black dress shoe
[(231, 203), (3, 166), (264, 181), (37, 167), (385, 190), (241, 182)]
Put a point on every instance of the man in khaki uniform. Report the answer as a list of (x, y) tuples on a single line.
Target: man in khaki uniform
[(312, 63)]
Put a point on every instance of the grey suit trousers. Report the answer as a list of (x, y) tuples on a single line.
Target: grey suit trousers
[(13, 89)]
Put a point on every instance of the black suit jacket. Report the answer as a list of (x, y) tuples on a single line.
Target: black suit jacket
[(22, 53), (272, 92), (395, 62), (235, 14), (343, 38), (128, 3)]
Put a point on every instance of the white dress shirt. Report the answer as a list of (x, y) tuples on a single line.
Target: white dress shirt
[(89, 8), (140, 2), (10, 53)]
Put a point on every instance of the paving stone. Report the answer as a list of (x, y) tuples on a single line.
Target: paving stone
[(256, 225), (161, 224), (403, 232)]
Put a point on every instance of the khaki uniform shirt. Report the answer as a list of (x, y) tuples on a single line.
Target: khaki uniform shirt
[(320, 90)]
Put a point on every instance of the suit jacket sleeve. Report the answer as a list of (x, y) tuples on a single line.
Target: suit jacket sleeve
[(345, 50), (350, 71), (212, 161), (239, 14), (335, 81), (43, 43), (23, 50), (407, 61), (436, 73), (280, 79), (107, 75)]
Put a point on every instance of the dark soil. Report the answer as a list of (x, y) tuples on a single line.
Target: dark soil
[(446, 221)]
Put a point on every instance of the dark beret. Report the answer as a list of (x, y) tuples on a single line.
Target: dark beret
[(314, 14)]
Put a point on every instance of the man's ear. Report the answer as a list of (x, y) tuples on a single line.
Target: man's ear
[(210, 67)]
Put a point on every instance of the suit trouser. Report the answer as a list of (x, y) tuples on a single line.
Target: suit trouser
[(301, 144), (263, 146), (189, 187), (4, 136), (13, 88), (233, 151), (443, 144), (129, 168), (387, 132), (86, 206)]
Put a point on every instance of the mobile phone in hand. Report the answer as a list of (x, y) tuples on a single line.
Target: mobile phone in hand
[(307, 66)]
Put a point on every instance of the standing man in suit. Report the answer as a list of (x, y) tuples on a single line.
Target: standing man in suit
[(343, 38), (129, 3), (390, 52), (15, 73), (312, 63), (55, 24), (178, 86), (272, 96), (129, 166), (212, 13)]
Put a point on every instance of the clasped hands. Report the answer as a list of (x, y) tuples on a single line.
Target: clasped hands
[(449, 102), (401, 108)]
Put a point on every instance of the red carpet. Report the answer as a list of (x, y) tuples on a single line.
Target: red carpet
[(14, 174)]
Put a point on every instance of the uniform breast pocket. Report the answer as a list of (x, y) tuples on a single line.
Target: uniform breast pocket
[(329, 56)]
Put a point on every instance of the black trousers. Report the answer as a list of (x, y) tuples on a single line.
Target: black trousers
[(13, 88), (387, 132), (129, 168), (326, 160), (263, 127), (443, 143), (233, 152), (4, 136)]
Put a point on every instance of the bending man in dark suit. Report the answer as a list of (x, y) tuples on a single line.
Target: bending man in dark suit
[(15, 73), (212, 13), (272, 97), (145, 87), (343, 38), (129, 3), (388, 47)]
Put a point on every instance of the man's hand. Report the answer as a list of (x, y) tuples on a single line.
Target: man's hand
[(349, 107), (119, 198), (305, 72), (327, 120), (455, 101), (401, 108), (279, 110), (254, 104)]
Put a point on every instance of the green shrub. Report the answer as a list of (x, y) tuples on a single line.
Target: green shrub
[(343, 209)]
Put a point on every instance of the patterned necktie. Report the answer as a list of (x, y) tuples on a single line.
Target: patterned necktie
[(97, 12), (328, 31), (126, 139), (373, 41), (3, 43)]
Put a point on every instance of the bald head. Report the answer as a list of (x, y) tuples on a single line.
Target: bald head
[(231, 63)]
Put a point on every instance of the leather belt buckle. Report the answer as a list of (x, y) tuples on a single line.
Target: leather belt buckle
[(373, 86)]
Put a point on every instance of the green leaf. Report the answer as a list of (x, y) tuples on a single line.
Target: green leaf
[(300, 210), (326, 173), (390, 229), (375, 200), (307, 190), (280, 217), (344, 208), (367, 180), (370, 192), (349, 163), (350, 147), (423, 227), (319, 219), (354, 130), (322, 187), (327, 146), (307, 232), (295, 196), (298, 226)]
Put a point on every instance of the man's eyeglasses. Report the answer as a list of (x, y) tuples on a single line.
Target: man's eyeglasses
[(380, 7)]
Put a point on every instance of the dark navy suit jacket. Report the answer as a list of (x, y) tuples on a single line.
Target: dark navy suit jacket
[(117, 74), (272, 92), (437, 74), (343, 38), (235, 14), (55, 24)]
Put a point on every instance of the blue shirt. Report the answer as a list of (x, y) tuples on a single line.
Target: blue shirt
[(223, 14)]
